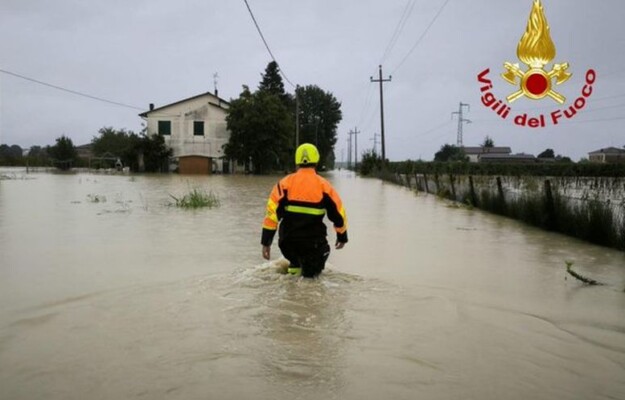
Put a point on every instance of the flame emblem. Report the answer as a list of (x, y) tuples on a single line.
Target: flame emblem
[(536, 49)]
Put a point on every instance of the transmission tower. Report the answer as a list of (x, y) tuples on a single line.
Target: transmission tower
[(375, 142), (461, 121)]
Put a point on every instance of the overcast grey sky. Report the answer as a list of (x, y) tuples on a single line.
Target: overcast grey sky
[(161, 51)]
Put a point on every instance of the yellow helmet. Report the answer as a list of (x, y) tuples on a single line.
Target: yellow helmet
[(306, 153)]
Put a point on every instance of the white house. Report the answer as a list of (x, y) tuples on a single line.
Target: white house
[(607, 155), (195, 129)]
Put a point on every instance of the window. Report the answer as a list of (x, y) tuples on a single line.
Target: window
[(164, 128), (198, 128)]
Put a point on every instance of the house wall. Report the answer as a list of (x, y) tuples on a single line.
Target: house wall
[(615, 158), (182, 116), (607, 158)]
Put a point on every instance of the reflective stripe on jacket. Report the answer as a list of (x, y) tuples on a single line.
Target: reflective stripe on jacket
[(299, 201)]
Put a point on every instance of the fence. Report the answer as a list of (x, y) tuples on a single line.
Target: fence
[(589, 208)]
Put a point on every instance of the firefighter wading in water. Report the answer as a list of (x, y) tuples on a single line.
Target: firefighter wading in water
[(299, 201)]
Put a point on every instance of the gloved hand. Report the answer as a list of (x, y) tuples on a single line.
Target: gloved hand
[(266, 252)]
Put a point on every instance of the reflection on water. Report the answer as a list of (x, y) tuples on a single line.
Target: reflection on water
[(128, 297)]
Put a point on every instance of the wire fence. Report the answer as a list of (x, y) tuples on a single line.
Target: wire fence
[(589, 208)]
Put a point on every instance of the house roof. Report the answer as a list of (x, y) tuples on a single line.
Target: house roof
[(477, 150), (520, 156), (219, 104), (608, 150)]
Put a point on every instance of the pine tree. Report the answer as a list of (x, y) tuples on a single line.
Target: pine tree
[(272, 81)]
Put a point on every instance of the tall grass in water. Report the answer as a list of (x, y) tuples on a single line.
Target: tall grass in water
[(196, 198)]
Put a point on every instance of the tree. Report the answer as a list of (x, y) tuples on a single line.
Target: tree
[(371, 162), (262, 123), (155, 152), (563, 159), (63, 153), (114, 143), (271, 81), (260, 131), (38, 156), (320, 114), (548, 153), (450, 152), (488, 142), (10, 155)]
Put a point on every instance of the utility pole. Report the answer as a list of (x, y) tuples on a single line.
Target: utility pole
[(461, 121), (349, 152), (375, 142), (355, 132), (381, 81), (296, 117), (350, 133)]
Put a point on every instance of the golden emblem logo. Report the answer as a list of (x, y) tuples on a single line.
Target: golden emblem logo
[(536, 49)]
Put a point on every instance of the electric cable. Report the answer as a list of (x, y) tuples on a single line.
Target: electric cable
[(69, 90), (398, 29), (260, 32), (438, 13)]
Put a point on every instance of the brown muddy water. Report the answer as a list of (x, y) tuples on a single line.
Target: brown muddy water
[(107, 292)]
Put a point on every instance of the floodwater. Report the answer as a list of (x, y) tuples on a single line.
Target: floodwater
[(108, 292)]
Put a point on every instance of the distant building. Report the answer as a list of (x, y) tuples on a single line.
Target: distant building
[(195, 129), (607, 155), (520, 158), (475, 153), (85, 151)]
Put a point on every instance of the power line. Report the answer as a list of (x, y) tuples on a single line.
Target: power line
[(440, 10), (398, 29), (595, 120), (260, 32), (366, 105), (431, 130), (577, 121), (70, 90)]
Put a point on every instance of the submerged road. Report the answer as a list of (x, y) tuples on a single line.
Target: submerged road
[(129, 297)]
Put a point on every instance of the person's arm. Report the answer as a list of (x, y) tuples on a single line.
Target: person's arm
[(336, 214), (270, 222)]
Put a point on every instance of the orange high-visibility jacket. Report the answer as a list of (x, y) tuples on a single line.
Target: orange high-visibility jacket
[(299, 201)]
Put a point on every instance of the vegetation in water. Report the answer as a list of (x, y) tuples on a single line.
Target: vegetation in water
[(96, 198), (570, 271), (196, 198)]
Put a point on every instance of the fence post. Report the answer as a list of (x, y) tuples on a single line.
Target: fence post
[(453, 187), (425, 180), (472, 192), (550, 207), (502, 200)]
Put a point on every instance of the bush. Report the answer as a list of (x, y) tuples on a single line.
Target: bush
[(196, 199)]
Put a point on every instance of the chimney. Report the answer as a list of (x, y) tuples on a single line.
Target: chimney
[(151, 106), (216, 92)]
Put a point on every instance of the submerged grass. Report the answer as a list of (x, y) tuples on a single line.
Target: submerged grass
[(96, 198), (196, 198), (576, 275)]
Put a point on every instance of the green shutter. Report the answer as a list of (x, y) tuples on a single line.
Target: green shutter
[(198, 128), (164, 127)]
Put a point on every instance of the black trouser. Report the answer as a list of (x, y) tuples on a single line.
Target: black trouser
[(309, 255)]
